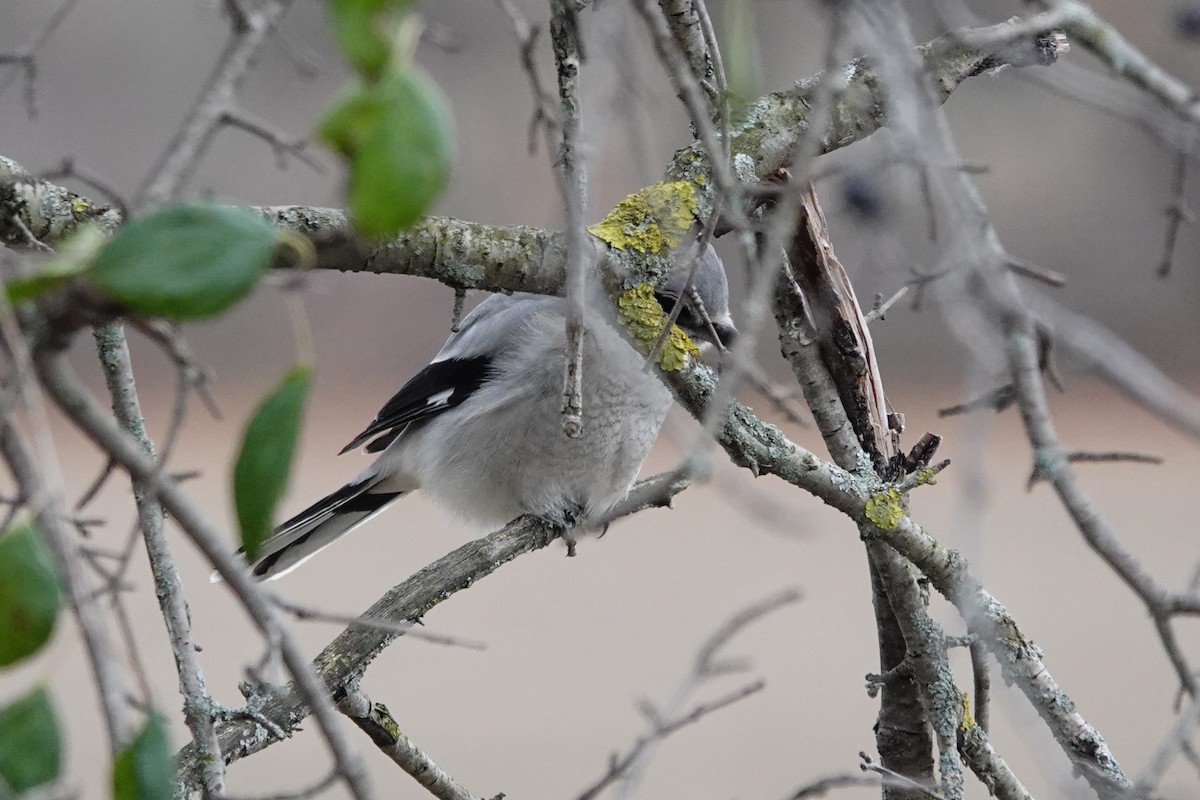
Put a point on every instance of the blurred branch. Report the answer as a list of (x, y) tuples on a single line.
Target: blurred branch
[(1052, 464), (571, 171), (627, 769), (686, 20), (1104, 41), (46, 503), (215, 105), (26, 57)]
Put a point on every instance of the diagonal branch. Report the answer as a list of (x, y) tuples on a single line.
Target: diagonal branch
[(376, 721), (347, 657)]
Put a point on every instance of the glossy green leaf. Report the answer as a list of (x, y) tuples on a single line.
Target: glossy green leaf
[(264, 462), (73, 257), (365, 29), (398, 136), (29, 594), (185, 261), (30, 749), (145, 769)]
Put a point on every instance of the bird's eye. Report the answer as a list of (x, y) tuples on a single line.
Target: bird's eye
[(667, 301)]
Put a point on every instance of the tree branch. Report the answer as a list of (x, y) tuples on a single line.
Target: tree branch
[(347, 657), (376, 721), (70, 397)]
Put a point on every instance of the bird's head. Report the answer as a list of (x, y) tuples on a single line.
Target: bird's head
[(704, 314)]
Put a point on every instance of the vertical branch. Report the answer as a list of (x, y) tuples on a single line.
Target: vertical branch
[(62, 385), (572, 181), (901, 732), (197, 706), (212, 108), (926, 647), (823, 335), (51, 516), (689, 24)]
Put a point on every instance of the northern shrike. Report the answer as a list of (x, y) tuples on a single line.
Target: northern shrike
[(480, 428)]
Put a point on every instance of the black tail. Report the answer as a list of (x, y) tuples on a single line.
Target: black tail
[(298, 539)]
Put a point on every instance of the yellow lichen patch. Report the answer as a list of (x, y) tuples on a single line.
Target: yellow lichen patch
[(653, 220), (925, 477), (644, 318), (80, 206), (885, 509), (968, 721)]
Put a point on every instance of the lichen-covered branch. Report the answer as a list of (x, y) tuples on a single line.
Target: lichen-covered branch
[(1020, 659), (376, 721), (117, 367)]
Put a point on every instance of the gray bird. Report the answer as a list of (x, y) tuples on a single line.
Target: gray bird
[(480, 428)]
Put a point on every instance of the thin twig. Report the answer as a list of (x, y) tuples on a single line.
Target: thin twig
[(26, 56), (116, 363), (402, 629), (572, 182), (182, 154), (376, 721)]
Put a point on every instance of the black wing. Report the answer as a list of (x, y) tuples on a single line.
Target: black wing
[(440, 386)]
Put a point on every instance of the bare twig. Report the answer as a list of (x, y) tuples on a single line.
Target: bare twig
[(376, 721), (400, 629), (182, 154), (1052, 465), (26, 56), (1113, 455), (1177, 212), (117, 366), (281, 143), (572, 181), (620, 767), (822, 786), (983, 684), (893, 778), (44, 500), (881, 306), (707, 665), (346, 658)]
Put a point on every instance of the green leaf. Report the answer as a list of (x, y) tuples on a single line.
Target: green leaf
[(264, 462), (365, 29), (398, 136), (73, 257), (29, 594), (145, 769), (185, 261), (30, 749)]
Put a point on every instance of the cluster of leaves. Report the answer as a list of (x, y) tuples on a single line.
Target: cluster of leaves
[(184, 262), (30, 738), (181, 262), (393, 126), (193, 261)]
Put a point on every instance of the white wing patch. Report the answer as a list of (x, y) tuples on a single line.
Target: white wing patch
[(439, 398)]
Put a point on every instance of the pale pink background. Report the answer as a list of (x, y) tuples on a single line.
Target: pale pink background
[(573, 645)]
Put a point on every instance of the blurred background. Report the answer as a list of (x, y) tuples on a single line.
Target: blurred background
[(572, 646)]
